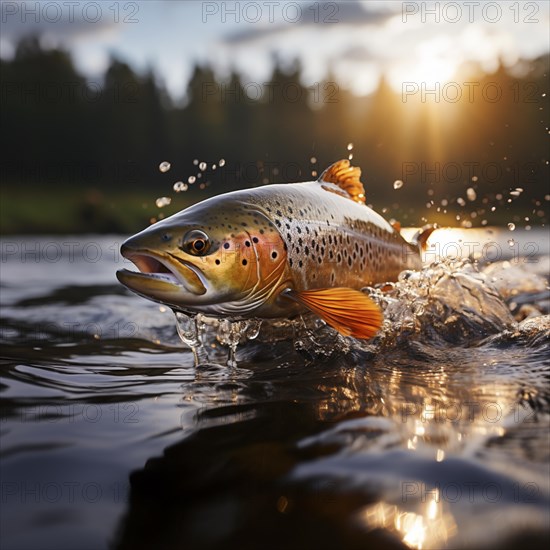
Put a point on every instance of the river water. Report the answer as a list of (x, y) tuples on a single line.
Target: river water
[(433, 435)]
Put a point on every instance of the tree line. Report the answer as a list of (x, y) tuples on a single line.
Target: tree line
[(486, 131)]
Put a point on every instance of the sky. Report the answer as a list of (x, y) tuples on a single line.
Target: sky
[(357, 42)]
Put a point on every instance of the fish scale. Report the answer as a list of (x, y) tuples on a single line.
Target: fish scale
[(329, 236)]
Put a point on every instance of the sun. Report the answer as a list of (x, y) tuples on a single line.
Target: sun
[(431, 64), (431, 69)]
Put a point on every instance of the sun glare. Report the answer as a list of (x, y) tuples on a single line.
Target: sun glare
[(431, 69), (432, 63)]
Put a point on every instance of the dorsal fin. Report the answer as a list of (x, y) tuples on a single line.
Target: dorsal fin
[(346, 177), (396, 226), (420, 238)]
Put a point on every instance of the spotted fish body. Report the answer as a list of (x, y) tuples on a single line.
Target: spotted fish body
[(332, 241), (274, 251)]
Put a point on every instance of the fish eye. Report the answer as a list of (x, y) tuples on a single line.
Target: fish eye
[(196, 242)]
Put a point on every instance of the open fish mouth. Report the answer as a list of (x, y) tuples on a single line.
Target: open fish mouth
[(161, 277)]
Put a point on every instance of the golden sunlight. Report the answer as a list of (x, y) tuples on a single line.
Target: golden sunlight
[(432, 63)]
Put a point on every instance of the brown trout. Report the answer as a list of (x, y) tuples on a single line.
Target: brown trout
[(275, 251)]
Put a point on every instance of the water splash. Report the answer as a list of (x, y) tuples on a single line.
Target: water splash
[(163, 201), (233, 333), (195, 330), (190, 330), (448, 301), (179, 186)]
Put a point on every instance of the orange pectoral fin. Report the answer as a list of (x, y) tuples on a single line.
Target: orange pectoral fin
[(349, 311)]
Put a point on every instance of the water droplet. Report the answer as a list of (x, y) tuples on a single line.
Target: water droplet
[(214, 167), (253, 328), (314, 173), (313, 160), (350, 156), (350, 146), (511, 226), (180, 186), (191, 179), (221, 163), (202, 166), (164, 166), (461, 201), (397, 184), (163, 201), (195, 161), (511, 242), (471, 194), (474, 178)]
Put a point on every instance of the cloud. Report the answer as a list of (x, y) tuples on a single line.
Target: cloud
[(57, 23), (318, 14)]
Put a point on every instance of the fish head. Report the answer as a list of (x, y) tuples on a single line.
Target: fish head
[(220, 258)]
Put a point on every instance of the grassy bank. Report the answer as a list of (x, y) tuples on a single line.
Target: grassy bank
[(70, 211)]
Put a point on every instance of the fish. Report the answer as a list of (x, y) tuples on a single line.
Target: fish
[(275, 251)]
